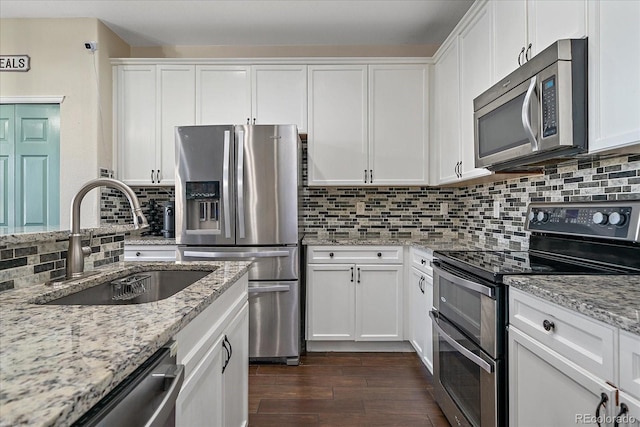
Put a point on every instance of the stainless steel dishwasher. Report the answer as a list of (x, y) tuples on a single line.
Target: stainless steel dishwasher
[(147, 397)]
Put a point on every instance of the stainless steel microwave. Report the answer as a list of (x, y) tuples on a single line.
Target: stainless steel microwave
[(536, 114)]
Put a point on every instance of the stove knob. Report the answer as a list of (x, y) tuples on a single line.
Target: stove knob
[(617, 218), (542, 216), (532, 216), (600, 218)]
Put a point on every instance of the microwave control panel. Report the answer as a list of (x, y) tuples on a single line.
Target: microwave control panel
[(549, 107)]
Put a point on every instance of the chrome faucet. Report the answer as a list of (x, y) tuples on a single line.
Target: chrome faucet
[(76, 252)]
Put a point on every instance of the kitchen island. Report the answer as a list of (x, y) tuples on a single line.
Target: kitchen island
[(57, 361)]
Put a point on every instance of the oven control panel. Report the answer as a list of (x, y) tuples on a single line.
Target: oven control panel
[(616, 220)]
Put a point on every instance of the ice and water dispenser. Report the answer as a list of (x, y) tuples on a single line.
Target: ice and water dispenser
[(203, 206)]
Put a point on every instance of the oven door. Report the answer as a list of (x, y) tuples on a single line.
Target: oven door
[(470, 304), (467, 386)]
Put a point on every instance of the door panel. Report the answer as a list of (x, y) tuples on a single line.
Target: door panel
[(37, 160), (378, 302), (267, 206), (7, 173), (223, 94), (331, 302)]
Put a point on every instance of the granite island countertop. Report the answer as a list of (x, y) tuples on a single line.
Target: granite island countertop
[(57, 361), (614, 300)]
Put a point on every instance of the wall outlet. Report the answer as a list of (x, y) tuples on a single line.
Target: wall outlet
[(360, 208), (496, 209), (444, 208)]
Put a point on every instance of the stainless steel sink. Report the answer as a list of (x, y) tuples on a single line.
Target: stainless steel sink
[(138, 288)]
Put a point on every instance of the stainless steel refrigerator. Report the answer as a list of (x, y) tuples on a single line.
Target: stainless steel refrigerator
[(237, 190)]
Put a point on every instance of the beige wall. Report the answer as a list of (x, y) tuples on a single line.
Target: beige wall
[(282, 51), (61, 66)]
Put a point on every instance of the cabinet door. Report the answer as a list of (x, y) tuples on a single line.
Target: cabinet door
[(236, 374), (331, 302), (337, 139), (548, 21), (200, 400), (398, 124), (136, 123), (7, 162), (475, 77), (223, 95), (417, 306), (427, 353), (509, 36), (447, 113), (378, 302), (279, 95), (630, 417), (614, 67), (176, 92), (545, 389)]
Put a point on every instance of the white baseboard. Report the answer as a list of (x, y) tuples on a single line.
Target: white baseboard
[(369, 346)]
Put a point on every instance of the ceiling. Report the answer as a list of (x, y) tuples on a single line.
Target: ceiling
[(144, 23)]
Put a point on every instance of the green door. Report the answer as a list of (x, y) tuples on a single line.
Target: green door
[(7, 173), (36, 165)]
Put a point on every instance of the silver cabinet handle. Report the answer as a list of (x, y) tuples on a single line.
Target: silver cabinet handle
[(240, 172), (358, 275), (371, 176), (167, 405), (520, 56), (158, 176), (225, 184), (365, 176), (152, 180), (465, 352), (351, 274), (526, 120), (526, 55)]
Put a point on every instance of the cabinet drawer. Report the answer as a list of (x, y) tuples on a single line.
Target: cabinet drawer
[(150, 252), (355, 254), (587, 342), (630, 363), (421, 260)]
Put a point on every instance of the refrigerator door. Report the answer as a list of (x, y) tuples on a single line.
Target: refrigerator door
[(205, 191), (266, 166)]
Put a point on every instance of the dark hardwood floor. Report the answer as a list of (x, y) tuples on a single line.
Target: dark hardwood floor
[(344, 389)]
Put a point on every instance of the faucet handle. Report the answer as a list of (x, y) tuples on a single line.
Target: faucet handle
[(86, 251)]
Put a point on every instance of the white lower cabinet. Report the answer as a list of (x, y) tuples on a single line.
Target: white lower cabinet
[(568, 369), (214, 348), (546, 389), (349, 301), (420, 295)]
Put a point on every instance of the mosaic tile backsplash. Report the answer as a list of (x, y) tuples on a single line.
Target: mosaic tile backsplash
[(467, 211)]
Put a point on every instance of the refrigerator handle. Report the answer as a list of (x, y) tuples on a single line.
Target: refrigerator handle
[(225, 184), (240, 174)]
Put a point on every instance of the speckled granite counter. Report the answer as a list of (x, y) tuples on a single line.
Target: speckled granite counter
[(149, 240), (426, 243), (15, 235), (56, 362), (614, 300)]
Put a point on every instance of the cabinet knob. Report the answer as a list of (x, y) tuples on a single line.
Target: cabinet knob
[(423, 261), (137, 253), (547, 325), (379, 254), (330, 254)]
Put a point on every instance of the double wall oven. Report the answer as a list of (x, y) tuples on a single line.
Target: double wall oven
[(470, 299)]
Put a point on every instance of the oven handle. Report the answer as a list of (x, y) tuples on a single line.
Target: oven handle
[(466, 353), (477, 287)]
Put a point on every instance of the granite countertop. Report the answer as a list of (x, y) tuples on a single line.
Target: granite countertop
[(56, 362), (614, 300), (149, 240), (18, 235)]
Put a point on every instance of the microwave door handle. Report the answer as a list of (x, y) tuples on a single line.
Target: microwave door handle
[(240, 171), (458, 347), (526, 119), (225, 184)]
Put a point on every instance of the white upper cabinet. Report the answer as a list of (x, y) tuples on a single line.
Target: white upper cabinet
[(337, 140), (614, 75), (223, 94), (368, 124), (523, 28), (397, 124), (150, 101), (279, 95)]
